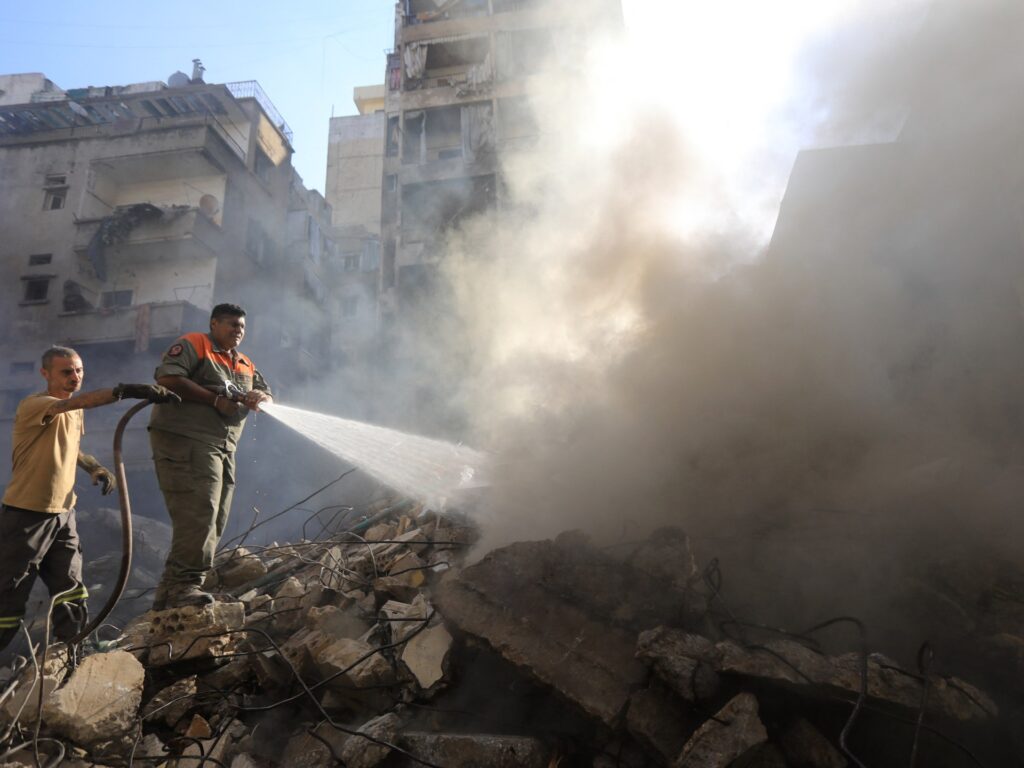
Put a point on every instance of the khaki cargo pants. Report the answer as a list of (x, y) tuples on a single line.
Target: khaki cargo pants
[(45, 544), (197, 481)]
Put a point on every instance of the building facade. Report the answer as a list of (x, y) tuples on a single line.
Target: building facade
[(129, 211)]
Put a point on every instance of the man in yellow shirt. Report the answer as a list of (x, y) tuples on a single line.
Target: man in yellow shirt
[(37, 521)]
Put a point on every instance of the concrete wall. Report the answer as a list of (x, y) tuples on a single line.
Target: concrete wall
[(355, 166), (26, 87)]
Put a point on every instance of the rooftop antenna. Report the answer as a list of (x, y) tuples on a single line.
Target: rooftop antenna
[(197, 71)]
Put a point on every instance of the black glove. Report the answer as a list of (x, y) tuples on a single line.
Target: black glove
[(104, 478), (152, 392)]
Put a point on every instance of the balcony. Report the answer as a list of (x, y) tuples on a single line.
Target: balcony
[(138, 324), (147, 233)]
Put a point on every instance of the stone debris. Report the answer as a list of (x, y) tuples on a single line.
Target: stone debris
[(678, 656), (100, 701), (733, 732), (383, 648), (172, 703), (359, 752), (426, 653), (469, 750), (804, 745), (178, 634)]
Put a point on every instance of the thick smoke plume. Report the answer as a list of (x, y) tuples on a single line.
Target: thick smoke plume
[(832, 409)]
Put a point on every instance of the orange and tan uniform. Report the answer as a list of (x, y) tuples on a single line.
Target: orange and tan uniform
[(38, 532), (194, 454)]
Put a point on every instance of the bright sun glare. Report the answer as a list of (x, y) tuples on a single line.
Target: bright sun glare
[(723, 71)]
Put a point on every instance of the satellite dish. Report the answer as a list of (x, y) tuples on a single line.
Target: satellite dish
[(209, 205), (178, 80)]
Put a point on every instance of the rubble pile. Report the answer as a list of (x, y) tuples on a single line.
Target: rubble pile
[(386, 648)]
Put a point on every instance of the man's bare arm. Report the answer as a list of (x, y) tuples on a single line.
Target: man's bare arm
[(93, 399), (98, 397)]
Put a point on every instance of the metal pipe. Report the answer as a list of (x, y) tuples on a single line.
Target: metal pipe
[(126, 527)]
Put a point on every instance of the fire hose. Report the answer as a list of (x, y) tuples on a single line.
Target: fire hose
[(226, 389), (126, 528)]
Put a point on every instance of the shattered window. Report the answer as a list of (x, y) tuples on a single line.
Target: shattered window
[(351, 262), (55, 199), (56, 187), (39, 259), (36, 289), (115, 299)]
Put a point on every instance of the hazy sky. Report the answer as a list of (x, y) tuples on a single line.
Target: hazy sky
[(307, 55), (718, 77)]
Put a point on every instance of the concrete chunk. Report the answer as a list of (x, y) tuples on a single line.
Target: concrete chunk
[(470, 750), (805, 747), (306, 751), (359, 752), (193, 632), (734, 731), (26, 691), (100, 701), (535, 621), (236, 568), (425, 655), (344, 654), (675, 654), (682, 660), (171, 703), (659, 721)]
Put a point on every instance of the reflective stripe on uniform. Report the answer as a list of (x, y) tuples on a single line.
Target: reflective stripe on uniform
[(11, 622), (79, 594)]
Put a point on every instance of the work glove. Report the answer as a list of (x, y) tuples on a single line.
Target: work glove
[(104, 478), (152, 392)]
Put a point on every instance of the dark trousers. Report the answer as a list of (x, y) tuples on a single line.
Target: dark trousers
[(47, 544), (197, 481)]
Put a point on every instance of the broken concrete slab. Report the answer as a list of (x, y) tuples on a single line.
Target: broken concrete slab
[(358, 752), (337, 622), (381, 532), (659, 721), (100, 701), (172, 703), (426, 653), (681, 659), (514, 600), (193, 632), (306, 751), (804, 746), (734, 731), (410, 568), (470, 750), (404, 618), (787, 662), (351, 663), (236, 568), (394, 588), (22, 702)]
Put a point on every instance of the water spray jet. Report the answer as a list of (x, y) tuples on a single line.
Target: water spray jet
[(435, 472)]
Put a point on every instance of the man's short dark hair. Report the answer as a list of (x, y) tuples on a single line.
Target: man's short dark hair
[(226, 310), (57, 351)]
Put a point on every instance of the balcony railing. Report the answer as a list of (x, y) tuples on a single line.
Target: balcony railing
[(250, 89), (158, 320)]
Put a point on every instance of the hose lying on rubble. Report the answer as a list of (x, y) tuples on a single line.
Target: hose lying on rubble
[(126, 528)]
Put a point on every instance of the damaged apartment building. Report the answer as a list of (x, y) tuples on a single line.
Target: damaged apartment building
[(428, 154), (129, 211)]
